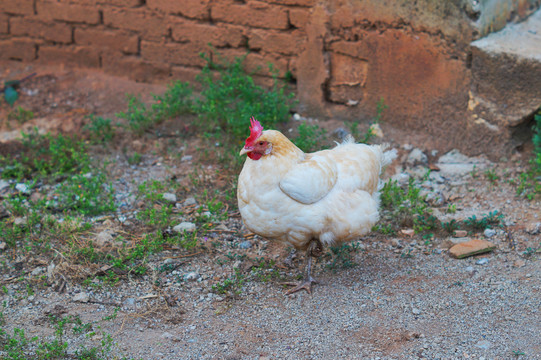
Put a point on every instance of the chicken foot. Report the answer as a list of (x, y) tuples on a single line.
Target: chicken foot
[(315, 249), (288, 261)]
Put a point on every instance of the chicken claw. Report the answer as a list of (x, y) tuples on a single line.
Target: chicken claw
[(304, 285), (315, 249)]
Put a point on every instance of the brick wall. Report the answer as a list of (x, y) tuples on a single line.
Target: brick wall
[(344, 55)]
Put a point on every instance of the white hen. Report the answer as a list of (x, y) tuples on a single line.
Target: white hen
[(309, 200)]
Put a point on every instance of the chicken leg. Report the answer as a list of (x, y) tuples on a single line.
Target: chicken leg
[(315, 249)]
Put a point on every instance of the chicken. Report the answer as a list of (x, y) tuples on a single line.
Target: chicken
[(309, 200)]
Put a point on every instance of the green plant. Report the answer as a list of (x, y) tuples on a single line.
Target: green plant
[(492, 176), (232, 285), (450, 226), (135, 158), (175, 101), (353, 126), (493, 218), (310, 137), (341, 256), (139, 117), (100, 129), (20, 115), (529, 184)]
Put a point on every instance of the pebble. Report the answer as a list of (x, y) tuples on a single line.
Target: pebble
[(416, 311), (104, 238), (489, 233), (484, 344), (189, 201), (245, 245), (172, 198), (81, 297), (3, 184), (38, 271), (186, 158), (184, 226), (416, 156), (191, 276), (482, 261), (22, 188)]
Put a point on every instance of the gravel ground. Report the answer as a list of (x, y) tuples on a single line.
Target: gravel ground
[(405, 298)]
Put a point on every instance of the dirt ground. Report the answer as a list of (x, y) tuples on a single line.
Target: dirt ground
[(399, 297)]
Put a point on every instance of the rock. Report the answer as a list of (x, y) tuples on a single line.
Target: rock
[(104, 238), (376, 130), (81, 297), (129, 302), (472, 247), (416, 157), (459, 240), (484, 344), (37, 271), (184, 226), (416, 311), (3, 245), (489, 233), (482, 261), (189, 201), (519, 263), (50, 271), (456, 164), (245, 245), (172, 198), (22, 188), (3, 184), (408, 232), (401, 178), (533, 228), (191, 276), (20, 221), (460, 233), (186, 158)]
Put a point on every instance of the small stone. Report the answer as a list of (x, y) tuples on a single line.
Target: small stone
[(104, 238), (37, 271), (416, 311), (483, 344), (533, 228), (459, 240), (460, 233), (297, 117), (489, 233), (415, 157), (191, 276), (22, 188), (172, 198), (129, 302), (472, 247), (20, 221), (245, 245), (3, 245), (3, 184), (408, 232), (470, 269), (81, 297), (184, 226), (186, 158), (482, 261), (189, 201), (519, 263)]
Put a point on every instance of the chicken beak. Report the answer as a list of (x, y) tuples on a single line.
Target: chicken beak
[(246, 150)]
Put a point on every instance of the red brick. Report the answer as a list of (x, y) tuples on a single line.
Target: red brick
[(111, 39), (18, 7), (3, 24), (150, 25), (54, 31), (254, 63), (253, 13), (67, 12), (217, 35), (276, 42), (299, 17), (307, 3), (69, 55), (122, 3), (195, 9), (135, 68), (18, 49), (184, 73), (173, 53)]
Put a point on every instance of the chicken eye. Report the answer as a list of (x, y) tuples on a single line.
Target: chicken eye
[(261, 143)]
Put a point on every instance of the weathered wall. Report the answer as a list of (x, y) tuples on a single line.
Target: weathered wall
[(344, 54)]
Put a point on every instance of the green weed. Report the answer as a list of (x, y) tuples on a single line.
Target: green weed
[(232, 285), (20, 115), (310, 137), (493, 218), (341, 256), (100, 129)]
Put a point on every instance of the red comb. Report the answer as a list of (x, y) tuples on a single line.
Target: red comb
[(255, 131)]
